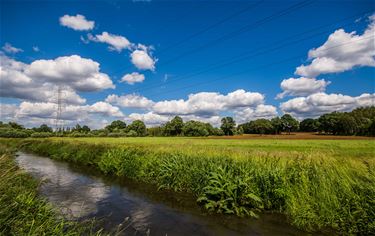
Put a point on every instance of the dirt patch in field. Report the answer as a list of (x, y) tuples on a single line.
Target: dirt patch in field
[(293, 136)]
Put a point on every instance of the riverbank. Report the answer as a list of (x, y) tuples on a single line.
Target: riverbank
[(23, 211), (330, 186)]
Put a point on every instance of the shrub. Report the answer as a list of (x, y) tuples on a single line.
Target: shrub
[(42, 135)]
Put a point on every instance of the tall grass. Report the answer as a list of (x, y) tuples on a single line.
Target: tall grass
[(316, 189)]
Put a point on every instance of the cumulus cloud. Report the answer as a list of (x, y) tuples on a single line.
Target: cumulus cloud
[(105, 108), (130, 101), (208, 103), (259, 112), (142, 60), (8, 48), (203, 106), (7, 111), (16, 84), (43, 112), (116, 42), (301, 86), (149, 118), (79, 73), (40, 80), (353, 50), (133, 78), (319, 103), (77, 22)]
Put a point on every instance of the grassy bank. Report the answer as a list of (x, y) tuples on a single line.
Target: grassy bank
[(22, 211), (317, 184)]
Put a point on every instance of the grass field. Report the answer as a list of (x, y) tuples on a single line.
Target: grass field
[(358, 148), (318, 184)]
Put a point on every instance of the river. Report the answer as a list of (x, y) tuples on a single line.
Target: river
[(81, 193)]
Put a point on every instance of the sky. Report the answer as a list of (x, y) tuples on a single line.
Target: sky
[(201, 60)]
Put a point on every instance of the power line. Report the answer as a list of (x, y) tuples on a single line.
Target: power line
[(243, 29), (251, 69), (235, 14), (220, 22), (252, 53)]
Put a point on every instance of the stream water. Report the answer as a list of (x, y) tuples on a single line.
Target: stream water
[(82, 193)]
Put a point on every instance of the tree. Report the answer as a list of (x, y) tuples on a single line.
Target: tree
[(138, 126), (309, 125), (328, 123), (347, 125), (228, 125), (155, 131), (195, 128), (14, 125), (116, 125), (261, 126), (289, 123), (85, 129), (45, 128), (277, 125), (174, 127), (77, 128)]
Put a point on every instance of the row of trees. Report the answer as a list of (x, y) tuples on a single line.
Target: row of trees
[(360, 121)]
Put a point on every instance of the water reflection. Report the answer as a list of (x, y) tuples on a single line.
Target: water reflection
[(80, 194)]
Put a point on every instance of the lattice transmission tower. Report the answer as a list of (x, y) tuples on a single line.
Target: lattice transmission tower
[(59, 122)]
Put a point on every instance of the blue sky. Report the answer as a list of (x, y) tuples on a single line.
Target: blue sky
[(179, 39)]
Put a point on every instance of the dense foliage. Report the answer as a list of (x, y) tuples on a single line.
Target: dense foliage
[(314, 187), (360, 121)]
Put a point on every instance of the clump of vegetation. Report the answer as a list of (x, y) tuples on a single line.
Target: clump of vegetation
[(316, 184)]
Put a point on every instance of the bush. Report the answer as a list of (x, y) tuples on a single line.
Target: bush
[(42, 135), (13, 133), (78, 134), (131, 133), (117, 134)]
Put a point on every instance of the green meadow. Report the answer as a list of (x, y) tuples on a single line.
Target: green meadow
[(318, 184)]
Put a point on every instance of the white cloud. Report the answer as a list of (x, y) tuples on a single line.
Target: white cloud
[(7, 111), (150, 118), (79, 73), (341, 52), (105, 108), (142, 60), (38, 110), (259, 112), (321, 103), (208, 103), (16, 84), (45, 112), (302, 86), (116, 42), (133, 78), (36, 49), (40, 80), (203, 106), (10, 49), (77, 22), (130, 101)]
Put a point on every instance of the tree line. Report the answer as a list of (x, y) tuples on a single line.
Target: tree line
[(360, 121)]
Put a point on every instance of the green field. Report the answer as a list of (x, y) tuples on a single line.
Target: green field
[(243, 147), (317, 184)]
